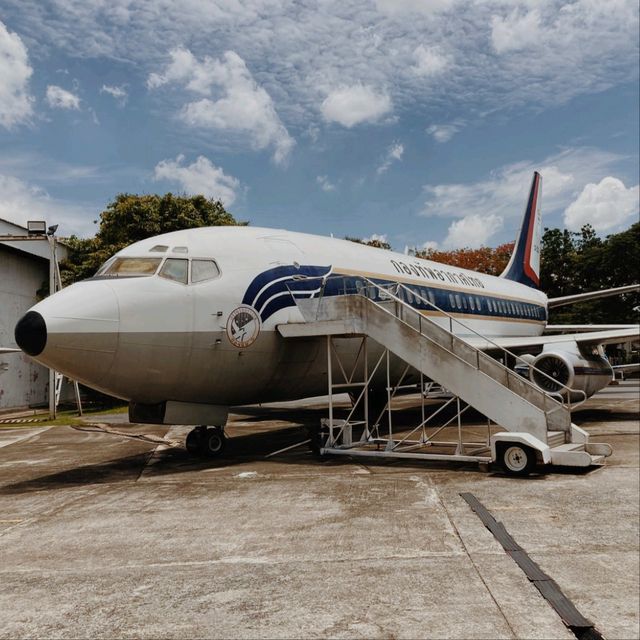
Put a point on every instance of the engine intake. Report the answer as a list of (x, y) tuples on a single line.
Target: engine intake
[(580, 372)]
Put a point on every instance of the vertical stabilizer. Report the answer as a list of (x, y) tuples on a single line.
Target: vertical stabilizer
[(524, 266)]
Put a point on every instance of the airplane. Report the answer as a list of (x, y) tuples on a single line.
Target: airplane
[(184, 325)]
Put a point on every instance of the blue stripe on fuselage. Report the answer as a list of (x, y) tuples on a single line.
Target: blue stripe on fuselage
[(269, 292)]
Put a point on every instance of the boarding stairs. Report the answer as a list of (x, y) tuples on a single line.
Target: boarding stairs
[(529, 415)]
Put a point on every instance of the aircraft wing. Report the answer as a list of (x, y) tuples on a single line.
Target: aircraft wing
[(609, 336), (591, 295), (627, 368), (579, 328)]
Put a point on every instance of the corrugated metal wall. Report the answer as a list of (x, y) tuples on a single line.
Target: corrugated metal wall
[(22, 382)]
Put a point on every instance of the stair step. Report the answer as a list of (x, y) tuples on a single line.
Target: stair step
[(597, 460), (555, 438), (570, 446)]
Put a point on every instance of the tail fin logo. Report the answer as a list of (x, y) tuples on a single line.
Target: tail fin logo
[(524, 266)]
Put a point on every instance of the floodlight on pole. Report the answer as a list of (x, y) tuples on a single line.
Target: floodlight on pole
[(37, 228)]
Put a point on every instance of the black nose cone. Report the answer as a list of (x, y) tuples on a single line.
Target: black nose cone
[(31, 333)]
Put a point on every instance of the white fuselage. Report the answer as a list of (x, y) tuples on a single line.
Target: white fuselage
[(150, 339)]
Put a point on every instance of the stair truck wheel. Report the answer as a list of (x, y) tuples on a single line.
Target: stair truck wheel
[(517, 459)]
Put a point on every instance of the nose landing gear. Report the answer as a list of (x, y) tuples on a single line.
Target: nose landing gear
[(207, 442)]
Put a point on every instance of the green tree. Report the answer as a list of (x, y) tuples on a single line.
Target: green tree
[(375, 242), (580, 262), (129, 218)]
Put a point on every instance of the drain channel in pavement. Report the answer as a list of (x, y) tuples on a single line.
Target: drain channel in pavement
[(581, 627)]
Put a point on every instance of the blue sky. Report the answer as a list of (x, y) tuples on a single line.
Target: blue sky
[(421, 121)]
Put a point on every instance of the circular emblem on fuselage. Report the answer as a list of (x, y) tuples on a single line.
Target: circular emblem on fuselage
[(243, 327)]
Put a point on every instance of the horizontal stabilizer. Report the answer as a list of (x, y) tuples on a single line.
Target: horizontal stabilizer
[(591, 295)]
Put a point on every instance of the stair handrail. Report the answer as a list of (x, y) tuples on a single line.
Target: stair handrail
[(385, 288), (496, 345)]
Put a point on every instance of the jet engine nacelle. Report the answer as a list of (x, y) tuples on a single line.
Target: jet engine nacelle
[(579, 368)]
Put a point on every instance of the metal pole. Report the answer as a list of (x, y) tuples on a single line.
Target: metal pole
[(366, 387), (459, 448), (330, 384), (390, 442), (52, 289)]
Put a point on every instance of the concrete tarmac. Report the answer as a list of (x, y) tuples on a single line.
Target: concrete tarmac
[(104, 536)]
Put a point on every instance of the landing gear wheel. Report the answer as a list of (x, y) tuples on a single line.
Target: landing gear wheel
[(208, 442), (192, 443), (517, 459)]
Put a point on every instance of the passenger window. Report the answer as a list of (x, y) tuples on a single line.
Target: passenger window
[(202, 270), (452, 304), (472, 303), (458, 302), (409, 295), (432, 297), (464, 302), (175, 269)]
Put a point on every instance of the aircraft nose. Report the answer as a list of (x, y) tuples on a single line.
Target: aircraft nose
[(31, 333), (74, 331)]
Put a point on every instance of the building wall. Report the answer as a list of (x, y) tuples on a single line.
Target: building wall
[(22, 382)]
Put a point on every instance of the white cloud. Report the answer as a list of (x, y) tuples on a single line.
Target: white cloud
[(429, 61), (325, 183), (515, 31), (472, 231), (200, 177), (300, 52), (443, 132), (118, 92), (505, 190), (376, 237), (606, 206), (424, 7), (59, 98), (394, 154), (355, 104), (21, 201), (16, 103), (243, 107), (429, 244)]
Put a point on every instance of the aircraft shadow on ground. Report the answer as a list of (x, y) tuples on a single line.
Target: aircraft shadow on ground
[(244, 448)]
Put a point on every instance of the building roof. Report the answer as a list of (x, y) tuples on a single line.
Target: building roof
[(38, 248)]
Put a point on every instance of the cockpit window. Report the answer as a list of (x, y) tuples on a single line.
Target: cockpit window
[(202, 270), (175, 269), (159, 248), (121, 267), (180, 250)]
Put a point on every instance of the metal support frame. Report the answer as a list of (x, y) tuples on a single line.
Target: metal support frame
[(380, 436), (539, 418)]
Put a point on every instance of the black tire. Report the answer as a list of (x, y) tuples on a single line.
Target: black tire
[(192, 443), (517, 459), (212, 442)]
